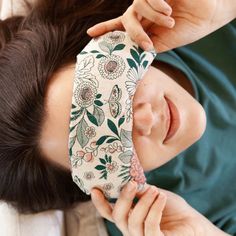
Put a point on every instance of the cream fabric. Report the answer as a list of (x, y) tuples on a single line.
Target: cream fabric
[(12, 223), (49, 223), (101, 149), (12, 7)]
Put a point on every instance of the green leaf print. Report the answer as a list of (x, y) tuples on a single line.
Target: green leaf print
[(72, 128), (92, 118), (126, 138), (99, 115), (72, 141), (111, 140), (100, 167), (142, 57), (106, 158), (112, 127), (99, 95), (76, 114), (94, 51), (81, 137), (104, 176), (100, 56), (102, 140), (98, 103), (132, 63), (121, 121), (139, 50), (145, 64), (83, 52), (135, 55), (119, 47), (102, 161)]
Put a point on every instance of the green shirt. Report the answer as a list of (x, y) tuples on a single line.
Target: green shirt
[(205, 173)]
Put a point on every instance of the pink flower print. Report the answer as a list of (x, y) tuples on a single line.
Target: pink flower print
[(112, 167), (136, 170), (80, 153), (111, 149), (88, 157), (93, 144)]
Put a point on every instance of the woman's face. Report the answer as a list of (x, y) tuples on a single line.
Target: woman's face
[(159, 102)]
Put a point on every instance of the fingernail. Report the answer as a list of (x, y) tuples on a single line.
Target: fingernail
[(89, 30), (130, 186), (170, 22), (162, 195), (168, 11), (147, 46), (152, 190), (93, 193)]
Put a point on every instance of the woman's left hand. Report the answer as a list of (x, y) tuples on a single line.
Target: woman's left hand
[(157, 212), (188, 22)]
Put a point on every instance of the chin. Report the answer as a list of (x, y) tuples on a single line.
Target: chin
[(199, 124), (192, 135), (196, 129)]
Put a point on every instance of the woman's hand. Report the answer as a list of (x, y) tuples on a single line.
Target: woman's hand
[(189, 21), (157, 213)]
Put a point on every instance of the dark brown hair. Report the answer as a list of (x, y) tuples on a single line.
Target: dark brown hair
[(32, 49)]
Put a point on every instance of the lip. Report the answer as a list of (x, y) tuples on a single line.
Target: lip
[(173, 120)]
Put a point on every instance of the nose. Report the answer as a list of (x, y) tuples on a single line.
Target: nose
[(143, 118)]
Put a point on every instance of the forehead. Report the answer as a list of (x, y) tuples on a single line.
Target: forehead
[(55, 133)]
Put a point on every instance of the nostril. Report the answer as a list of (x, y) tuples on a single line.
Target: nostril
[(143, 118)]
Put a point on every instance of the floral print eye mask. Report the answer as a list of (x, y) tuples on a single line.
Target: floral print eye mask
[(101, 150)]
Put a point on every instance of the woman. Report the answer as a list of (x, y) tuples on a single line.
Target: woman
[(36, 165), (190, 61)]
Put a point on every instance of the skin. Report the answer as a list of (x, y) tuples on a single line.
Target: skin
[(151, 24), (156, 213), (185, 22), (149, 117)]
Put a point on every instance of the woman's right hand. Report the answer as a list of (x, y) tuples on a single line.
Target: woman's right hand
[(157, 213), (192, 21)]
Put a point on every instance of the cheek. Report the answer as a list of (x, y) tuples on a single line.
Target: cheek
[(152, 153)]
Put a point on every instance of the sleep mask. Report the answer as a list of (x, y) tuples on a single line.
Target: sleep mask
[(101, 150)]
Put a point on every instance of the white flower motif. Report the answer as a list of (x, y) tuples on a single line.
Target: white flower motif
[(128, 107), (89, 175), (85, 94), (107, 187), (111, 66), (134, 76), (76, 161), (90, 132), (114, 37)]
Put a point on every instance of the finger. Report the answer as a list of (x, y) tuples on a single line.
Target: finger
[(135, 30), (140, 211), (102, 205), (160, 39), (147, 12), (123, 205), (160, 6), (106, 26), (153, 219)]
